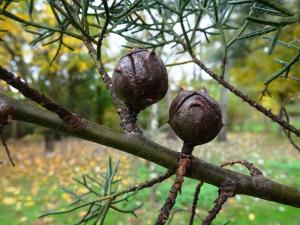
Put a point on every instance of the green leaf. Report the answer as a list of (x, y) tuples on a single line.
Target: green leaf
[(275, 40), (257, 33), (267, 11), (238, 2)]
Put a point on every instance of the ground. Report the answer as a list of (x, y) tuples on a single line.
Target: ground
[(35, 185)]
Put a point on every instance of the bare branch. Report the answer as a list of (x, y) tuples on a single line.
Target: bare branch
[(194, 206), (284, 113), (245, 98), (183, 164), (148, 183), (2, 124), (72, 120), (226, 191)]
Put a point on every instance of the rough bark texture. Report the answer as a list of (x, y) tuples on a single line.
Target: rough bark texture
[(183, 164), (195, 117), (142, 147), (226, 191)]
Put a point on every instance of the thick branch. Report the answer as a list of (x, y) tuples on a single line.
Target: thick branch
[(142, 147)]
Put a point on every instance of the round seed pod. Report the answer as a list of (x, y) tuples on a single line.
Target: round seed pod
[(140, 79), (195, 117)]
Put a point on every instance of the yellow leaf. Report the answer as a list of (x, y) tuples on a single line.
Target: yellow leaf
[(251, 216), (13, 190), (9, 200), (66, 197)]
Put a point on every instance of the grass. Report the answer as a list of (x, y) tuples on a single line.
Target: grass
[(35, 184)]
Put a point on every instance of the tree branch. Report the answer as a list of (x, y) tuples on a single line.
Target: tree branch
[(245, 98), (142, 147)]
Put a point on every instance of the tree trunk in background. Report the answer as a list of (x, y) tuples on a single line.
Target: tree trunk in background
[(49, 142), (99, 109), (224, 98), (153, 130), (170, 133), (15, 129), (223, 104), (71, 88)]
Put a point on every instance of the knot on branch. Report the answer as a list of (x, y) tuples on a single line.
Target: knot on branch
[(73, 121)]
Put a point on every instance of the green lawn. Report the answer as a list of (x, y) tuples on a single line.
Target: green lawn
[(35, 184)]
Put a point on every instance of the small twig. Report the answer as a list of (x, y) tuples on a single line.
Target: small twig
[(284, 71), (196, 194), (103, 30), (58, 49), (147, 184), (226, 191), (3, 123), (72, 120), (183, 164), (179, 63), (7, 150), (138, 187), (224, 61), (284, 113), (252, 169), (174, 212)]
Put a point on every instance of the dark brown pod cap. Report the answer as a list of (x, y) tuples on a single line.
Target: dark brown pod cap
[(195, 117), (140, 79)]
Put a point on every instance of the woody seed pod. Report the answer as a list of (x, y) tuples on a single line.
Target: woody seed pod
[(195, 117), (140, 79)]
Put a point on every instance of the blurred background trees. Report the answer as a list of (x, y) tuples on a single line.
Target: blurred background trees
[(60, 66), (66, 73)]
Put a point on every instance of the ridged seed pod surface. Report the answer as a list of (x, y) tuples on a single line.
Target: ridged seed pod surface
[(195, 117), (140, 79)]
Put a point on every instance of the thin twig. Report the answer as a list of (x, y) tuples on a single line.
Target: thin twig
[(7, 150), (174, 212), (194, 206), (147, 184), (3, 123), (138, 187), (103, 30), (287, 133), (252, 169), (179, 63), (183, 164), (226, 191), (285, 70)]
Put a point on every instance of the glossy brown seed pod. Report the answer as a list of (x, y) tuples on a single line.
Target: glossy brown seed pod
[(140, 79), (195, 117)]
